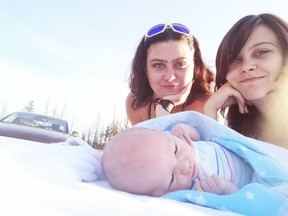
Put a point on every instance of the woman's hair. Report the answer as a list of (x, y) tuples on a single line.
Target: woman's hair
[(229, 49), (139, 84)]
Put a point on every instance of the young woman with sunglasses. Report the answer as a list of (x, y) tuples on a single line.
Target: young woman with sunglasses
[(168, 74), (249, 61)]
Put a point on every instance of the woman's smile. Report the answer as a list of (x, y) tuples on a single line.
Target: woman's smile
[(250, 80), (170, 87)]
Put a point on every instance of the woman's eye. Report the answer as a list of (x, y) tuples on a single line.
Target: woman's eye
[(180, 65), (158, 66), (261, 52)]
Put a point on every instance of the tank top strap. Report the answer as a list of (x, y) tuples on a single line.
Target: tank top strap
[(149, 110)]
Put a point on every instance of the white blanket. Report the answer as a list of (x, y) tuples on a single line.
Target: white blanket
[(60, 179)]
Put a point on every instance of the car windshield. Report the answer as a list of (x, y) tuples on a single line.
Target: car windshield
[(39, 121)]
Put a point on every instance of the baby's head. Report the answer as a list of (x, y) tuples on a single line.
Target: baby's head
[(148, 162)]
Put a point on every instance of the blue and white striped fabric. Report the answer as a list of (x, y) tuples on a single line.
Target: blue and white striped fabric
[(270, 164), (213, 158)]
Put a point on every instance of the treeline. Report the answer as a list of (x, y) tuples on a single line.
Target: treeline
[(97, 137)]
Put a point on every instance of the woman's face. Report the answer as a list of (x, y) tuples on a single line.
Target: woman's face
[(256, 68), (170, 67)]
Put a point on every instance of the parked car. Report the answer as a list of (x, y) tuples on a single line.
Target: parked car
[(34, 127)]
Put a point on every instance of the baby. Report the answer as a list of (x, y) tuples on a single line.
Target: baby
[(150, 162)]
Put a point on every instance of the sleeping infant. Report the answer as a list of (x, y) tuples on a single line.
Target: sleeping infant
[(150, 162)]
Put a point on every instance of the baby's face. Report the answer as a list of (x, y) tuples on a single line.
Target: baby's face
[(169, 164)]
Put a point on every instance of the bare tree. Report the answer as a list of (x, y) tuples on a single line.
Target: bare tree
[(47, 105), (126, 124), (54, 112), (30, 107), (72, 122), (63, 111), (3, 110)]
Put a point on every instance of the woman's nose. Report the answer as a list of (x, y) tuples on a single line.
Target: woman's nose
[(248, 66), (169, 74)]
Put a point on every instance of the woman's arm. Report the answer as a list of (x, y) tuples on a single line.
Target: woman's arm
[(224, 97)]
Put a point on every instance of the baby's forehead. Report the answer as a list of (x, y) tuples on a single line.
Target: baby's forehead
[(143, 132), (146, 135)]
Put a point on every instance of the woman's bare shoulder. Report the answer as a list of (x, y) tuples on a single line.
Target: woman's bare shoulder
[(197, 105), (135, 115)]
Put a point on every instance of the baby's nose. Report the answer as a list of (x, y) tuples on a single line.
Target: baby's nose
[(184, 166)]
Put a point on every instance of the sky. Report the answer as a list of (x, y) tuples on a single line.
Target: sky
[(73, 57)]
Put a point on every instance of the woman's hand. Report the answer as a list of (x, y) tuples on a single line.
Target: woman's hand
[(224, 97), (180, 97)]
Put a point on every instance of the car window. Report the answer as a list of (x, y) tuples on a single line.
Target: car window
[(34, 120)]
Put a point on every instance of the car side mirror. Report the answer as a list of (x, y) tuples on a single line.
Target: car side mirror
[(75, 134)]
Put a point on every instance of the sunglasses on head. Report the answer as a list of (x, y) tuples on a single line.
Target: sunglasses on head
[(176, 27)]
